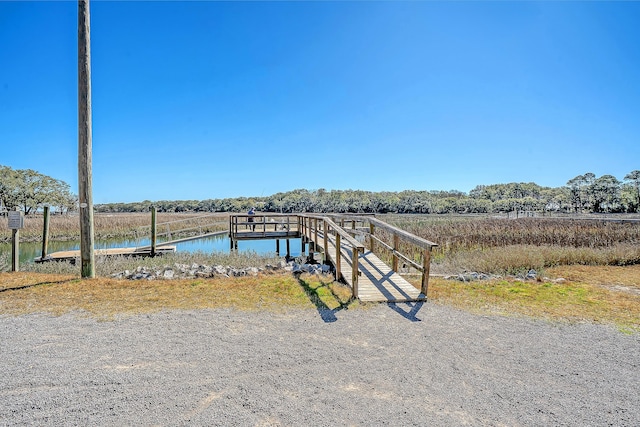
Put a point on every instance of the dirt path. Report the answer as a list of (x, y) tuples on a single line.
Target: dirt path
[(383, 366)]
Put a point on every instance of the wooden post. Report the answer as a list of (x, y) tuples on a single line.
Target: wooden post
[(45, 233), (354, 271), (372, 230), (278, 247), (153, 231), (426, 266), (315, 228), (338, 257), (85, 196), (15, 250), (288, 249), (396, 243), (325, 241)]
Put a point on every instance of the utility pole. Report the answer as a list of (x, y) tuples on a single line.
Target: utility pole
[(84, 141)]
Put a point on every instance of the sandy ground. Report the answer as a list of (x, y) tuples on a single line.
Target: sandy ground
[(402, 364)]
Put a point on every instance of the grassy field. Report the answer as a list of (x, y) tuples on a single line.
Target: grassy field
[(600, 262), (609, 295), (492, 245)]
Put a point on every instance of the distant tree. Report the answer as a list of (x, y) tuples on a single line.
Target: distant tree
[(605, 194), (8, 187), (634, 178), (31, 190), (576, 186)]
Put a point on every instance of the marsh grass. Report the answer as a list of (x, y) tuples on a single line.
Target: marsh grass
[(106, 225), (494, 245), (454, 233), (517, 259)]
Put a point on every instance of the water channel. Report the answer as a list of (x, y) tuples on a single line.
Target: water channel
[(31, 250)]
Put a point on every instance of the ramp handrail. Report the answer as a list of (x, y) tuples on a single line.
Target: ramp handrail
[(310, 227), (397, 235)]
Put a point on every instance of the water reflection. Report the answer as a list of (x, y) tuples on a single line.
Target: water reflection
[(31, 250)]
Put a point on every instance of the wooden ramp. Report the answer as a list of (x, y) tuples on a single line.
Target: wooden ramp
[(377, 282)]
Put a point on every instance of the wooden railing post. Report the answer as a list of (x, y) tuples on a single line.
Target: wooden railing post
[(354, 271), (45, 233), (372, 230), (154, 233), (338, 257), (426, 266), (396, 243), (315, 232), (325, 241)]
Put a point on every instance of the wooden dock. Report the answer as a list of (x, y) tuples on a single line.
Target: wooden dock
[(75, 254), (370, 279), (377, 282)]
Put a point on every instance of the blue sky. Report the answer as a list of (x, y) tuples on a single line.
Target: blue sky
[(198, 100)]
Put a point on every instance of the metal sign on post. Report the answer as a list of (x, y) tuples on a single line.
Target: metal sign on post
[(16, 222)]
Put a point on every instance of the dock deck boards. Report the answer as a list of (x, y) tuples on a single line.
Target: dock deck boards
[(69, 255), (377, 282)]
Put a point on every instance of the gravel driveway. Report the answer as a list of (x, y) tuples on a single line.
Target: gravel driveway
[(435, 366)]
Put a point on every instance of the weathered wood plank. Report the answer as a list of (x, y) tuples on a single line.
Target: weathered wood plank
[(375, 280)]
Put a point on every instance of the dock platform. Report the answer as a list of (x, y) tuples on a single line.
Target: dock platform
[(75, 254)]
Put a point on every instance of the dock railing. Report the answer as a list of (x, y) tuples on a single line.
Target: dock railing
[(262, 223), (314, 225), (393, 241), (169, 232)]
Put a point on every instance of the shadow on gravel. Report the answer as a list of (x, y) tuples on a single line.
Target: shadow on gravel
[(17, 288), (408, 310), (327, 314)]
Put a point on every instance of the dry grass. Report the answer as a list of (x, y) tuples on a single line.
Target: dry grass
[(521, 258), (608, 276), (107, 225), (494, 245), (586, 296), (25, 293), (580, 298), (453, 233)]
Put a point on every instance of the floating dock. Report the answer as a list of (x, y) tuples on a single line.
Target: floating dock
[(71, 256)]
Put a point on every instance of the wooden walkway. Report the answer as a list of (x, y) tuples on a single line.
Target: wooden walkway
[(377, 282)]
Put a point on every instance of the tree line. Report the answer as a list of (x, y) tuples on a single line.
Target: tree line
[(29, 191), (584, 193)]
